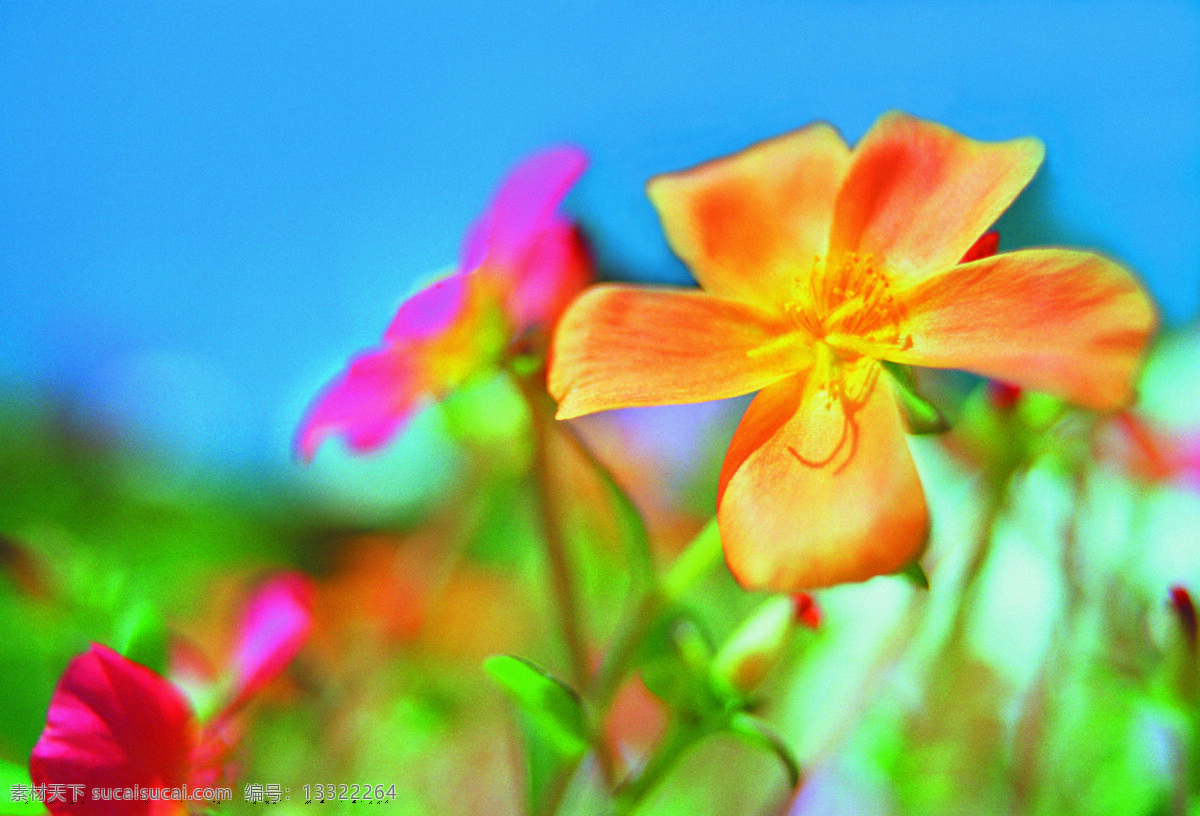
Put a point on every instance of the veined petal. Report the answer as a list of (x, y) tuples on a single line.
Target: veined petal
[(1070, 323), (113, 723), (747, 224), (523, 206), (367, 404), (917, 195), (620, 346), (771, 409), (819, 491)]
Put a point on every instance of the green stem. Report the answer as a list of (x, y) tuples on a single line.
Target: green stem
[(997, 501), (1037, 713), (697, 560), (554, 798), (562, 581), (677, 741), (635, 535)]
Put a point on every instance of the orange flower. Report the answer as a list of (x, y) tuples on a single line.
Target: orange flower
[(817, 262)]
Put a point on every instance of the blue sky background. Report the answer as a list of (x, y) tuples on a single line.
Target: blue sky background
[(205, 207)]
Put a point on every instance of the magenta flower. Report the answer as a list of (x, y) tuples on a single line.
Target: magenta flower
[(274, 625), (116, 725), (521, 263), (113, 723)]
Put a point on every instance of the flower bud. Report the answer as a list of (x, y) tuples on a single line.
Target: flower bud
[(1003, 396), (985, 247), (1185, 612), (805, 610), (757, 644)]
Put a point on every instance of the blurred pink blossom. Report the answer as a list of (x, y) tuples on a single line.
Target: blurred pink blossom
[(520, 264), (115, 724)]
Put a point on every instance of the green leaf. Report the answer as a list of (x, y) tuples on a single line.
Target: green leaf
[(554, 708), (697, 560), (139, 635), (617, 505), (915, 574), (921, 415), (758, 733), (677, 667), (11, 775), (553, 722), (633, 527)]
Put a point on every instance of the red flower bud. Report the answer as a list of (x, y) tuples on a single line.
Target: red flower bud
[(1003, 396), (805, 610), (1185, 610), (985, 247)]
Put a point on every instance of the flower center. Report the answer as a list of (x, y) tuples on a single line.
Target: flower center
[(846, 302)]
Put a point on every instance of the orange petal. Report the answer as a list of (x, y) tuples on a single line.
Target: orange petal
[(747, 224), (917, 195), (1071, 323), (620, 346), (797, 512)]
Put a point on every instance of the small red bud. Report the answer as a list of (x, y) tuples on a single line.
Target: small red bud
[(805, 610), (1185, 610), (1003, 396), (985, 247)]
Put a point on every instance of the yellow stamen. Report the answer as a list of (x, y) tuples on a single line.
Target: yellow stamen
[(848, 304)]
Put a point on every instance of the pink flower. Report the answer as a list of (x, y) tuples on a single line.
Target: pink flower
[(115, 724), (521, 263), (274, 625), (1147, 451)]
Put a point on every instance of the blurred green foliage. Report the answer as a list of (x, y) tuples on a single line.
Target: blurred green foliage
[(1042, 671)]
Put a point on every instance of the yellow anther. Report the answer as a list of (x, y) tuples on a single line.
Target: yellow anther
[(847, 297)]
